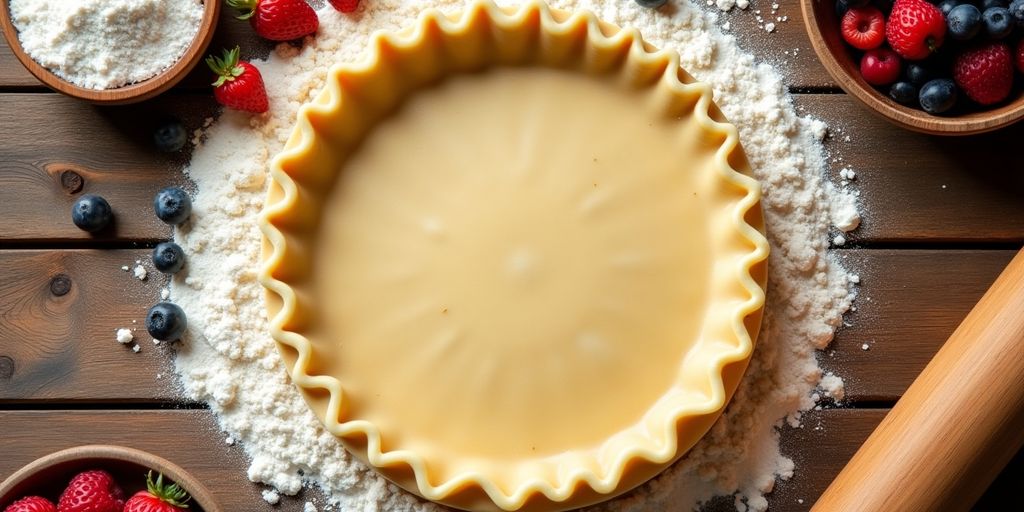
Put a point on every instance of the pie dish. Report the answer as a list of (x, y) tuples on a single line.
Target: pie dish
[(514, 259)]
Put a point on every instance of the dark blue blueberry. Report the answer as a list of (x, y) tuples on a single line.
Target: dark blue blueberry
[(947, 5), (651, 4), (91, 213), (172, 205), (1017, 12), (998, 22), (170, 136), (938, 96), (903, 93), (964, 22), (166, 321), (917, 74), (988, 4), (168, 257), (841, 8)]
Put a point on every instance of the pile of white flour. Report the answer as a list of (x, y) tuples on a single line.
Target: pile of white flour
[(102, 44), (229, 360)]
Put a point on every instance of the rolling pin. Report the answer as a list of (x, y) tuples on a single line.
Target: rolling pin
[(957, 425)]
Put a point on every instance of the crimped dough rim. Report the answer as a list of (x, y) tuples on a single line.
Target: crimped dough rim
[(286, 202)]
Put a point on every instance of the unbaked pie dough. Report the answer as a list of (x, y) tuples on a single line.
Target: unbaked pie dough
[(513, 259)]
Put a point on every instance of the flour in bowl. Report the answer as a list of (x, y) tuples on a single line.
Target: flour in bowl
[(103, 44), (229, 360)]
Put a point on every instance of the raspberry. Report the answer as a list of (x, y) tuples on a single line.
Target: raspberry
[(915, 29), (864, 28)]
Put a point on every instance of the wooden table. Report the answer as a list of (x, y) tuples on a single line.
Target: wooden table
[(942, 217)]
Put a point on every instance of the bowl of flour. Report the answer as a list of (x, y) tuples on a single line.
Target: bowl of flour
[(109, 51)]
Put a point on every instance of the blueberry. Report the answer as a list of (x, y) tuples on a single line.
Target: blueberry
[(938, 96), (988, 4), (947, 5), (651, 4), (91, 213), (964, 22), (170, 136), (1017, 12), (168, 257), (917, 74), (166, 321), (842, 7), (998, 22), (172, 205), (903, 93)]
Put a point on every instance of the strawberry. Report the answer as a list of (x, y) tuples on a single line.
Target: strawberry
[(915, 29), (278, 20), (985, 73), (158, 497), (345, 5), (239, 84), (91, 491), (864, 27), (31, 504)]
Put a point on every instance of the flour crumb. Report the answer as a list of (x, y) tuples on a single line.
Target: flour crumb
[(165, 293), (833, 386), (230, 441), (854, 278), (309, 507), (124, 336), (136, 348), (271, 496), (865, 347), (839, 240), (140, 272), (769, 27), (125, 268)]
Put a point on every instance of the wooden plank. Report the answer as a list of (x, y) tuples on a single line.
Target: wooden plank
[(191, 439), (909, 302), (59, 311), (788, 47), (925, 188), (56, 149), (188, 438)]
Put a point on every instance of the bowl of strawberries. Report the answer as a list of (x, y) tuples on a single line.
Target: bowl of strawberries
[(946, 67), (103, 478)]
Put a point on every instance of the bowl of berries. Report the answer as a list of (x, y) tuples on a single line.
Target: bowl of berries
[(103, 478), (953, 67)]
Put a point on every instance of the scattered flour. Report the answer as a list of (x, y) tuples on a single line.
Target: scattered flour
[(102, 44), (271, 496), (124, 336), (229, 361), (140, 272)]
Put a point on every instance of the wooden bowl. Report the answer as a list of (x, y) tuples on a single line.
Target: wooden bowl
[(47, 476), (130, 93), (822, 26)]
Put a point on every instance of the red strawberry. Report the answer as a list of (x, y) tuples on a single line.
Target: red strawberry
[(985, 73), (278, 20), (1020, 56), (239, 84), (864, 27), (916, 29), (345, 5), (91, 491), (31, 504), (158, 497)]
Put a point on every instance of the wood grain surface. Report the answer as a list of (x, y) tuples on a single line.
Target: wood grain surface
[(942, 217)]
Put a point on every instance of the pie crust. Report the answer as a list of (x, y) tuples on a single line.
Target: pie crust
[(514, 259)]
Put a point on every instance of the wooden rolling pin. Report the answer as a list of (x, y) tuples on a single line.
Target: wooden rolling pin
[(957, 425)]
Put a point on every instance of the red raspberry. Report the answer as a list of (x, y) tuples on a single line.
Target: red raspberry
[(915, 29), (880, 66), (985, 73), (864, 27), (345, 5)]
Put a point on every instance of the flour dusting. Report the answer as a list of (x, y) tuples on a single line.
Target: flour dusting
[(229, 360)]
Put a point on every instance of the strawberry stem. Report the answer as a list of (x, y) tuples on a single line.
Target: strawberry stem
[(247, 7), (171, 494), (225, 67)]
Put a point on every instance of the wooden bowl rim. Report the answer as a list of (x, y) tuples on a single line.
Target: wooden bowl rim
[(913, 119), (130, 93), (200, 494)]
